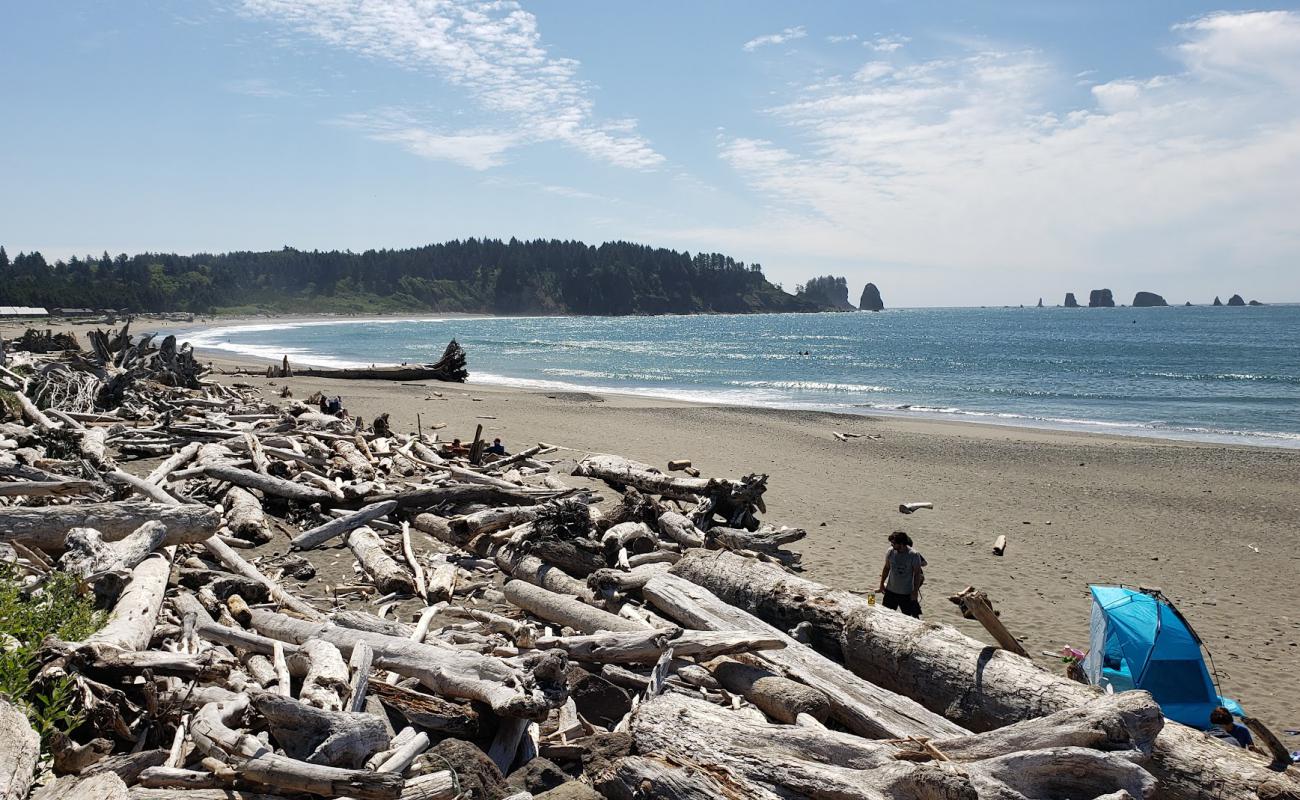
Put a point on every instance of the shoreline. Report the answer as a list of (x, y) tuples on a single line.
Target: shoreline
[(1020, 421), (1214, 525)]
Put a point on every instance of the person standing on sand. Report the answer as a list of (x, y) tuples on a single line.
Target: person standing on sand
[(901, 579)]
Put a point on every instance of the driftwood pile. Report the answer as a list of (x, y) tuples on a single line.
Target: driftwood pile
[(512, 633)]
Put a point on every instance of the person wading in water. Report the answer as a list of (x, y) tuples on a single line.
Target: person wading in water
[(901, 579)]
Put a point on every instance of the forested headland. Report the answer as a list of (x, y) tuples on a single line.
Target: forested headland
[(473, 275)]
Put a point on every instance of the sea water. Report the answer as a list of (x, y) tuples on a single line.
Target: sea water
[(1203, 373)]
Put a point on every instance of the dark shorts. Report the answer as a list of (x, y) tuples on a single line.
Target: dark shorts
[(903, 603)]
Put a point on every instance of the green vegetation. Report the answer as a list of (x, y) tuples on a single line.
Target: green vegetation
[(827, 290), (474, 275), (57, 609)]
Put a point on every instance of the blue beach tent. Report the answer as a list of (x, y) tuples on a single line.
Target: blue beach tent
[(1139, 641)]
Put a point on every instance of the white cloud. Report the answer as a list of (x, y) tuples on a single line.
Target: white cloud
[(961, 164), (888, 44), (492, 50), (834, 39), (784, 36)]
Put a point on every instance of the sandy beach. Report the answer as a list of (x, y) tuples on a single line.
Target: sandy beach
[(1214, 526)]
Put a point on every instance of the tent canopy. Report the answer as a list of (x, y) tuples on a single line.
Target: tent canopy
[(1139, 641)]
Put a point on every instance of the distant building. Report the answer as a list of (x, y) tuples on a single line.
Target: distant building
[(73, 312), (22, 311)]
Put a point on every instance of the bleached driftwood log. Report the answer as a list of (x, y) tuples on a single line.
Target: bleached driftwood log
[(269, 485), (733, 500), (244, 516), (452, 673), (259, 763), (130, 625), (680, 529), (566, 610), (237, 564), (387, 574), (343, 525), (779, 761), (780, 698), (334, 738), (46, 526), (20, 747), (645, 647), (530, 568), (862, 707), (325, 683), (951, 673)]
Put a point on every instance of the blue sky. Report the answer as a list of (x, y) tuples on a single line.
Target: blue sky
[(955, 153)]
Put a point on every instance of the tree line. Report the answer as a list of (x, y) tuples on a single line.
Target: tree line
[(473, 275)]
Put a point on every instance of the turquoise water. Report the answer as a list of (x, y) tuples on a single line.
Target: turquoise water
[(1214, 374)]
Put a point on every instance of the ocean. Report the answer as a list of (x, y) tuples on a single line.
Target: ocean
[(1199, 373)]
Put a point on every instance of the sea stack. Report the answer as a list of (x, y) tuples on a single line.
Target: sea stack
[(1101, 298), (1070, 302), (1040, 302), (1255, 303), (1217, 301), (1148, 300), (871, 299), (1236, 300)]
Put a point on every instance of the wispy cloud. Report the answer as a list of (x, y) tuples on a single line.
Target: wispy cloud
[(888, 44), (964, 162), (254, 87), (784, 36), (492, 50), (836, 39)]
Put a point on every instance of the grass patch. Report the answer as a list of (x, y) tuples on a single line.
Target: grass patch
[(26, 618)]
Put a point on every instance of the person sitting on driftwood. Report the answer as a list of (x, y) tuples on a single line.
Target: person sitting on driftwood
[(497, 449), (902, 576), (457, 449)]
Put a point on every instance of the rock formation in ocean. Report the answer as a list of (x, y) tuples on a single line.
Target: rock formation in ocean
[(1147, 300), (1101, 298), (1188, 303), (829, 292), (1217, 301), (1040, 302), (1070, 302), (1255, 303), (871, 299), (1236, 300)]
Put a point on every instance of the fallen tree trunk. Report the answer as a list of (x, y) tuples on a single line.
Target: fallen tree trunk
[(338, 527), (268, 484), (46, 526), (645, 647), (780, 698), (781, 761), (333, 738), (20, 747), (453, 673), (864, 708), (566, 610), (733, 500), (245, 517), (387, 574), (131, 623), (979, 686), (450, 368), (236, 563), (258, 763)]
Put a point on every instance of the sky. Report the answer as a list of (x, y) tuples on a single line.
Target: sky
[(955, 153)]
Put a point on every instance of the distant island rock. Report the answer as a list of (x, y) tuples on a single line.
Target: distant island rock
[(871, 299), (1236, 300), (1148, 300), (1217, 301), (1040, 302), (1070, 302), (829, 292), (1188, 304), (1101, 298), (1255, 303)]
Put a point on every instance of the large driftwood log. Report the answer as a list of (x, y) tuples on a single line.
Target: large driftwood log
[(862, 707), (131, 623), (387, 574), (269, 485), (257, 762), (338, 527), (680, 529), (325, 682), (978, 685), (237, 564), (566, 610), (780, 698), (779, 761), (452, 673), (522, 566), (244, 516), (334, 738), (654, 778), (46, 526), (20, 746), (733, 500), (646, 646), (426, 497)]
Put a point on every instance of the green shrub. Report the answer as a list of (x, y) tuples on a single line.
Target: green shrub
[(28, 617)]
